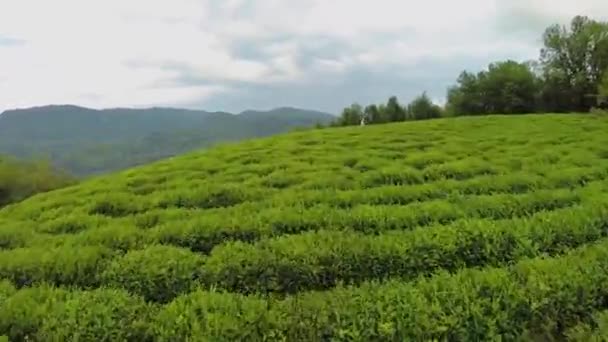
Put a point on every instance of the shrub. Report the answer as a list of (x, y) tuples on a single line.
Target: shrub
[(23, 313), (320, 260), (14, 234), (98, 315), (206, 197), (116, 236), (217, 317), (158, 273), (116, 206), (75, 266), (22, 179)]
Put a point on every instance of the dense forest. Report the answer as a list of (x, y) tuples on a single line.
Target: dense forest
[(571, 75)]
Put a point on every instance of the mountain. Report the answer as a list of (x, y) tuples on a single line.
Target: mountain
[(86, 141)]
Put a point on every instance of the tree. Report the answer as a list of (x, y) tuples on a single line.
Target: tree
[(506, 87), (423, 108), (574, 59), (509, 88), (602, 92), (373, 115), (351, 115), (465, 97), (394, 111)]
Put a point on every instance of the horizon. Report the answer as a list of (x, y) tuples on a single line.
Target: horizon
[(101, 109)]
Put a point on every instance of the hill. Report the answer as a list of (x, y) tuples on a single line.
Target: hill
[(459, 229), (85, 141)]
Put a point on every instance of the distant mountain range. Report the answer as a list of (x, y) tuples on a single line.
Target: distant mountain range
[(86, 141)]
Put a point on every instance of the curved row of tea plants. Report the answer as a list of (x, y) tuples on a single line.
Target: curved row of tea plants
[(535, 299)]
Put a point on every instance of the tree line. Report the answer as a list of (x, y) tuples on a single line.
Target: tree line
[(571, 75)]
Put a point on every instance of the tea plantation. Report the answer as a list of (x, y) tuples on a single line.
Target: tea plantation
[(464, 229)]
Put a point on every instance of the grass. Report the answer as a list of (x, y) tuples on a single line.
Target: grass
[(453, 229)]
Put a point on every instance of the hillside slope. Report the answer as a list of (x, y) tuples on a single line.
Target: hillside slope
[(453, 229), (86, 141)]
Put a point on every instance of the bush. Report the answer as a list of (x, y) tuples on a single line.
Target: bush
[(320, 260), (22, 179), (207, 197), (158, 273), (71, 266), (99, 315), (23, 313), (14, 234), (216, 317)]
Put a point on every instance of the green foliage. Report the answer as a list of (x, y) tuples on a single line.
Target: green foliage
[(49, 314), (472, 228), (158, 273), (422, 108), (568, 77), (419, 109), (594, 330), (23, 313), (505, 88), (19, 180), (602, 99), (98, 315), (217, 316), (574, 59), (59, 266), (351, 115)]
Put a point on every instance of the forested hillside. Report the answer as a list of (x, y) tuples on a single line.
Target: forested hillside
[(84, 141)]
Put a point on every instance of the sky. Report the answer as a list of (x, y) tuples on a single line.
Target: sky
[(232, 55)]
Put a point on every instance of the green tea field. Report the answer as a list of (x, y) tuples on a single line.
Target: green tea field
[(461, 229)]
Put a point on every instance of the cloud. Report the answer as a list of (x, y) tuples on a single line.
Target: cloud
[(239, 54), (9, 41)]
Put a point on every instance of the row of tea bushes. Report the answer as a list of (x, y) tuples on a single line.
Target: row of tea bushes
[(315, 260), (535, 299)]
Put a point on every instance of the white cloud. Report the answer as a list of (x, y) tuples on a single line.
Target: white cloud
[(105, 53)]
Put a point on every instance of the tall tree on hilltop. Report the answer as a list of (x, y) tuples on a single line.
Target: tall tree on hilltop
[(506, 87), (423, 108), (373, 114), (465, 98), (394, 110), (351, 115), (574, 59)]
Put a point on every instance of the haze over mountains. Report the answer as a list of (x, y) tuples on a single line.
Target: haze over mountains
[(87, 141)]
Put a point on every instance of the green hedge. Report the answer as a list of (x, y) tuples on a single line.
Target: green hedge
[(60, 266), (536, 299), (23, 313), (158, 273), (99, 315), (209, 316), (14, 234), (236, 225), (594, 330), (320, 260), (50, 314)]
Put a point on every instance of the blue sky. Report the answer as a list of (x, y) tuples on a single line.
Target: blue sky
[(257, 54)]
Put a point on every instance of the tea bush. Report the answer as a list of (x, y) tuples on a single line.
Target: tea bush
[(158, 273)]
